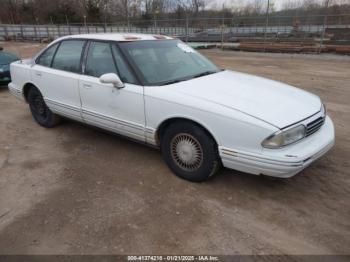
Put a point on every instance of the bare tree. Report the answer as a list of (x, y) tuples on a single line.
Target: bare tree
[(12, 7), (92, 9), (58, 11)]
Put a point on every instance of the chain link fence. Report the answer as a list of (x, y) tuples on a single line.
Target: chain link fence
[(292, 29)]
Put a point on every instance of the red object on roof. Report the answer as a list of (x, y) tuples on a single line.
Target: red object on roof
[(131, 38), (159, 37)]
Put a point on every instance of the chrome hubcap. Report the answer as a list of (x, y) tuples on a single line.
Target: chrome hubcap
[(186, 152)]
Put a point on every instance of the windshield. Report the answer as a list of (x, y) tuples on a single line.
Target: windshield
[(164, 62)]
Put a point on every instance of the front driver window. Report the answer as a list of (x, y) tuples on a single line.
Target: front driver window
[(68, 56), (99, 60), (124, 70)]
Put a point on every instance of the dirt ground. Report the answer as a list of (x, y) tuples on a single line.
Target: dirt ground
[(76, 190)]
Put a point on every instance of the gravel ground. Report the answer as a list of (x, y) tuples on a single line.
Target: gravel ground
[(77, 190)]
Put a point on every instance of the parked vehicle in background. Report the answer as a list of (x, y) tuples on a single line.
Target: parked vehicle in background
[(5, 60), (160, 91)]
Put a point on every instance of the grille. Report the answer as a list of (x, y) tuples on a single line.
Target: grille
[(315, 125)]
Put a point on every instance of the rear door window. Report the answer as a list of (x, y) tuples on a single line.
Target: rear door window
[(68, 56)]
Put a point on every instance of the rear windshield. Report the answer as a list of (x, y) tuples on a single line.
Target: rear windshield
[(7, 58)]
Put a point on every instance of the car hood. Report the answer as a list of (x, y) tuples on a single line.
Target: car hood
[(271, 101)]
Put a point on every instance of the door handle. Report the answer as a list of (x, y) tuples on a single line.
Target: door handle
[(87, 86), (38, 73)]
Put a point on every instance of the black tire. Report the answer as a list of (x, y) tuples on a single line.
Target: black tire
[(40, 112), (189, 151)]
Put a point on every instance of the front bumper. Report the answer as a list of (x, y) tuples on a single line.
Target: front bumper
[(285, 162)]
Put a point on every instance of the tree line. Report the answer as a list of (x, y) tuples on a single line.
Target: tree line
[(108, 11)]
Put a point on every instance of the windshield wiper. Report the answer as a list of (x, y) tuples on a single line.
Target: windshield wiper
[(173, 82), (188, 78), (204, 74)]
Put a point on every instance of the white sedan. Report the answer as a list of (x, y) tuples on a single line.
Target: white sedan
[(158, 90)]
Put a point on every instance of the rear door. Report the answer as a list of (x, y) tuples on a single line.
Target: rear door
[(118, 110), (57, 73)]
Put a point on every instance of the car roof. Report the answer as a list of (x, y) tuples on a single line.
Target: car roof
[(120, 37)]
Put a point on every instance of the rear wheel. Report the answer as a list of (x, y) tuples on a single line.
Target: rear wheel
[(40, 112), (190, 152)]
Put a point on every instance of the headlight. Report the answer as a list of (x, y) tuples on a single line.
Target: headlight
[(284, 138)]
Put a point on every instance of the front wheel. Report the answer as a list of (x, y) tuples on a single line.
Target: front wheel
[(40, 112), (189, 151)]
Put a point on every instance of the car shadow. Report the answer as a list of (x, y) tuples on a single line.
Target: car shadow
[(222, 176), (226, 180)]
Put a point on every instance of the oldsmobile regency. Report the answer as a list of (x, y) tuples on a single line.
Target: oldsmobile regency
[(160, 91)]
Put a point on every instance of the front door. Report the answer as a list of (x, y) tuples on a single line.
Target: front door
[(103, 105)]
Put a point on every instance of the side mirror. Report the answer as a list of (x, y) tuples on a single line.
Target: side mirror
[(113, 79)]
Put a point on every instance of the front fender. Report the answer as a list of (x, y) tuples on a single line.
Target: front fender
[(229, 128)]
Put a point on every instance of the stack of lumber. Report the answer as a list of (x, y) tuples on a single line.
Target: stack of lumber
[(287, 47)]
